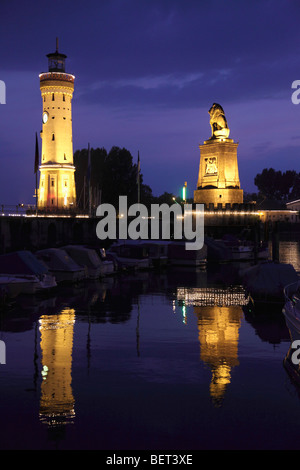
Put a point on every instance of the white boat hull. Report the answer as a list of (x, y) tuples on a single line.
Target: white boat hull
[(12, 286)]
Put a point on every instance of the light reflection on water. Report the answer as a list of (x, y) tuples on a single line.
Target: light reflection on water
[(289, 253), (56, 345), (169, 360), (219, 337)]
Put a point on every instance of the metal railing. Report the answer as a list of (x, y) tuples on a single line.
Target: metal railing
[(15, 209)]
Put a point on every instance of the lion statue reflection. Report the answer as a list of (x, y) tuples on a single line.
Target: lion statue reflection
[(218, 122)]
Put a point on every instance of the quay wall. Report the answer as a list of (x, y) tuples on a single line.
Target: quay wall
[(34, 233)]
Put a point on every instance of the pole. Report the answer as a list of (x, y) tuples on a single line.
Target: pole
[(90, 200), (84, 183), (36, 168), (36, 194), (89, 177), (138, 179)]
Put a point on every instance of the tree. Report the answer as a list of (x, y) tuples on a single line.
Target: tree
[(165, 198), (295, 193), (277, 186), (112, 175), (250, 197), (98, 158)]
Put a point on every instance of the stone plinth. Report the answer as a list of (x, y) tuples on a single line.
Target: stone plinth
[(218, 179), (218, 196)]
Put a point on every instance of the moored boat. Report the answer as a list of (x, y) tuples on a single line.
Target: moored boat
[(179, 256), (266, 281), (61, 265), (129, 254), (108, 266), (87, 259), (157, 252), (291, 308), (14, 285), (230, 248), (24, 264)]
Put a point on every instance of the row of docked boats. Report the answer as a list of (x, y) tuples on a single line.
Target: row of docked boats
[(232, 248), (155, 253), (159, 252), (25, 272)]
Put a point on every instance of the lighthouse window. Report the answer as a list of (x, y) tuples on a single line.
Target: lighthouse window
[(44, 99), (65, 158), (64, 99), (53, 137), (52, 96)]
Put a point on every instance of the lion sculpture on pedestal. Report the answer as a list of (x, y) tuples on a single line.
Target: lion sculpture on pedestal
[(218, 122)]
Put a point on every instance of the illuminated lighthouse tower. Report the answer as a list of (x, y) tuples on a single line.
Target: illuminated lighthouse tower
[(57, 182)]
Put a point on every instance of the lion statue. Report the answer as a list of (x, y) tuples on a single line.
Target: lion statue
[(218, 122)]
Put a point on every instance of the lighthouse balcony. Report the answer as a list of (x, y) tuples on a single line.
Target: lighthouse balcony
[(57, 76)]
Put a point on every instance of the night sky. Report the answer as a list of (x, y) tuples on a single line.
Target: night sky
[(147, 71)]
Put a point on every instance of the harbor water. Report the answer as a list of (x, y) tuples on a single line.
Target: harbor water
[(153, 360)]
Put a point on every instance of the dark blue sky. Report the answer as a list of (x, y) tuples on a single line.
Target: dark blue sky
[(147, 71)]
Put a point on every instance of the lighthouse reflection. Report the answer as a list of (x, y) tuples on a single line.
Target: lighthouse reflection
[(219, 313), (98, 303), (57, 400)]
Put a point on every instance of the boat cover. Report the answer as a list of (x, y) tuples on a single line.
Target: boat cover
[(269, 278), (22, 262)]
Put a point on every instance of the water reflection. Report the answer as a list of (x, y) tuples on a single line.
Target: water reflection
[(219, 312), (268, 322), (218, 329), (289, 252), (129, 334), (212, 296), (56, 343)]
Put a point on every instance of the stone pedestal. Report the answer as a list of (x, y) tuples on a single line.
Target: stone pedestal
[(218, 179)]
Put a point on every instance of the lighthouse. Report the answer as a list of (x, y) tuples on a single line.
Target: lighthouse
[(57, 172)]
